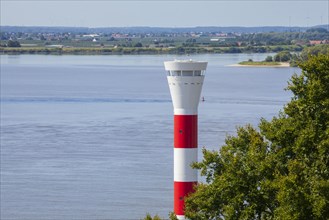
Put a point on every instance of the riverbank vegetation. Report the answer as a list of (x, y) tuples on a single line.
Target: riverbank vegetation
[(259, 63), (287, 57)]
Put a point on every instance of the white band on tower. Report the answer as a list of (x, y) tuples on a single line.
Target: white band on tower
[(183, 158)]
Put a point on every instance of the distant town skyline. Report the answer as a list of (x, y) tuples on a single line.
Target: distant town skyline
[(111, 13)]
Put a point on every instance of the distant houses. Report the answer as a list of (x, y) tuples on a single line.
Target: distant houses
[(316, 42)]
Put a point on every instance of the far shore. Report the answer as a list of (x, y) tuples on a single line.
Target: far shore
[(281, 64)]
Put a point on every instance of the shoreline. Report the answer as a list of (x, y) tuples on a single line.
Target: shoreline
[(60, 49), (282, 64)]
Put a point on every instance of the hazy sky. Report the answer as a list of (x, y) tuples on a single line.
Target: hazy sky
[(109, 13)]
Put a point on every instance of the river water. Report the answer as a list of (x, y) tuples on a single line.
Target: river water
[(90, 137)]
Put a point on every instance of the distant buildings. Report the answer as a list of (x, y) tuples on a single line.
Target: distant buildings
[(316, 42)]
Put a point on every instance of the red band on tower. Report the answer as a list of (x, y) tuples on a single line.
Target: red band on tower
[(181, 190), (185, 131)]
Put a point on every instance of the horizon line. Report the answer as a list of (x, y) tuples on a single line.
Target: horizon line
[(141, 26)]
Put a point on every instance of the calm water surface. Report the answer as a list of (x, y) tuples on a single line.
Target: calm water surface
[(90, 137)]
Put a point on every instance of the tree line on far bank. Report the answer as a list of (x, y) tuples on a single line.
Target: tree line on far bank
[(232, 43)]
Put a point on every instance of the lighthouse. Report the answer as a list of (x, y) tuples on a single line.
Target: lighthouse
[(185, 79)]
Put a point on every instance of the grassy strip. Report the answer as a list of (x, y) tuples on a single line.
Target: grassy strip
[(259, 63)]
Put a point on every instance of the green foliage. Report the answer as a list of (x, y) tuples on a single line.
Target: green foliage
[(278, 172), (259, 63), (139, 44), (314, 50), (307, 52), (282, 56), (234, 50), (317, 30), (149, 217), (285, 38), (269, 59), (172, 216), (302, 136), (13, 43)]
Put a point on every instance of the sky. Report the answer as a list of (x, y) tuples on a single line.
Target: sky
[(159, 13)]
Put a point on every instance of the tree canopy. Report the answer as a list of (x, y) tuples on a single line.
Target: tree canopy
[(281, 169), (314, 50), (282, 56)]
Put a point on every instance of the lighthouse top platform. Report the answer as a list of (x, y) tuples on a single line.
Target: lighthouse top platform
[(185, 80), (188, 65)]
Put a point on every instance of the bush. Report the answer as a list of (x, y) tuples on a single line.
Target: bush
[(269, 59), (13, 43), (283, 56), (149, 217), (139, 44)]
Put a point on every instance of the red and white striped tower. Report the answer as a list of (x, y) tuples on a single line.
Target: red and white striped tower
[(185, 79)]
